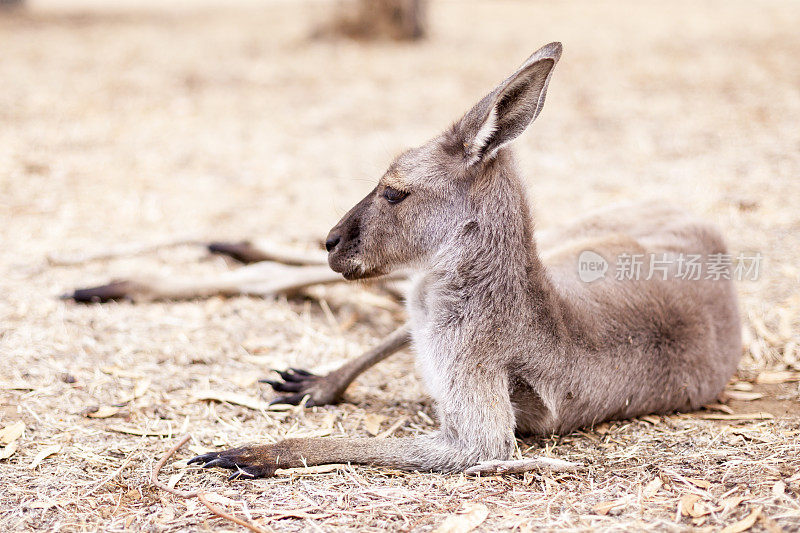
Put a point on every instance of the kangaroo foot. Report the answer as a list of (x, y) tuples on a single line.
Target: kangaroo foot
[(249, 252), (322, 390), (118, 290), (533, 464)]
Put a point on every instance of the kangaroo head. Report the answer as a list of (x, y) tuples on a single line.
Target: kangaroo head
[(424, 199)]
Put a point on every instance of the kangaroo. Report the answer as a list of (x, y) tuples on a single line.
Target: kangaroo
[(507, 339)]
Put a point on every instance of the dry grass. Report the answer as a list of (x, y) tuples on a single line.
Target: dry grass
[(154, 125)]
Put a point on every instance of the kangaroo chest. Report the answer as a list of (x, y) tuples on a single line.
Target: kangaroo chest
[(429, 342)]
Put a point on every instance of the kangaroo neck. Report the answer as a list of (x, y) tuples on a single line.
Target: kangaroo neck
[(488, 281)]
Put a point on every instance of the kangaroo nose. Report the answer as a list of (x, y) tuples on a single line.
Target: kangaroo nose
[(331, 243)]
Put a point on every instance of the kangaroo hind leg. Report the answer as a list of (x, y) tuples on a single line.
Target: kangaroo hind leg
[(259, 279)]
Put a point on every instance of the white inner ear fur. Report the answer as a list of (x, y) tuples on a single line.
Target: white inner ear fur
[(521, 105), (483, 136)]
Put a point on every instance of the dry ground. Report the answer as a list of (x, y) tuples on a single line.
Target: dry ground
[(146, 125)]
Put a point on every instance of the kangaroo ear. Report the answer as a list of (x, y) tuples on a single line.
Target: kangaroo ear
[(504, 113)]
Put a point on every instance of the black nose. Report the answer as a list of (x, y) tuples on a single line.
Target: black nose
[(331, 243)]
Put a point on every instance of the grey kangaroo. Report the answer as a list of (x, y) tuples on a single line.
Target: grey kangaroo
[(507, 338)]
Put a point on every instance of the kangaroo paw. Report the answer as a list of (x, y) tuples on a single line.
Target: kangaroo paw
[(322, 390), (241, 251), (118, 290), (247, 462), (533, 464)]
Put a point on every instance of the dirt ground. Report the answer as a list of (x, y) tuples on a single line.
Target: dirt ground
[(146, 124)]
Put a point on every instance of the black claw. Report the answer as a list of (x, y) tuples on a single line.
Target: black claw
[(284, 386), (216, 462), (302, 372), (290, 375), (293, 399), (205, 458), (289, 386)]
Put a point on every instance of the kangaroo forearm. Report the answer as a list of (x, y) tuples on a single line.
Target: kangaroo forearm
[(398, 453), (429, 453), (396, 341)]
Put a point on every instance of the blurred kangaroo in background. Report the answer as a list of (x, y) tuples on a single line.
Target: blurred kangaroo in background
[(507, 338)]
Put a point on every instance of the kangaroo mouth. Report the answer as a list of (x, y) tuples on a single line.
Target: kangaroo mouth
[(354, 270), (359, 272)]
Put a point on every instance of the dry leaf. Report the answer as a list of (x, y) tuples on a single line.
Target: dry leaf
[(743, 396), (231, 397), (43, 454), (472, 515), (686, 504), (702, 483), (174, 478), (12, 432), (603, 428), (372, 423), (742, 416), (700, 509), (105, 411), (744, 524), (133, 495), (603, 508), (653, 419), (770, 377), (394, 427), (8, 451), (778, 489), (328, 420), (652, 487), (719, 407), (730, 503)]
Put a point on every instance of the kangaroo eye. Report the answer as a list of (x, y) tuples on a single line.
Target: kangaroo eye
[(394, 196)]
